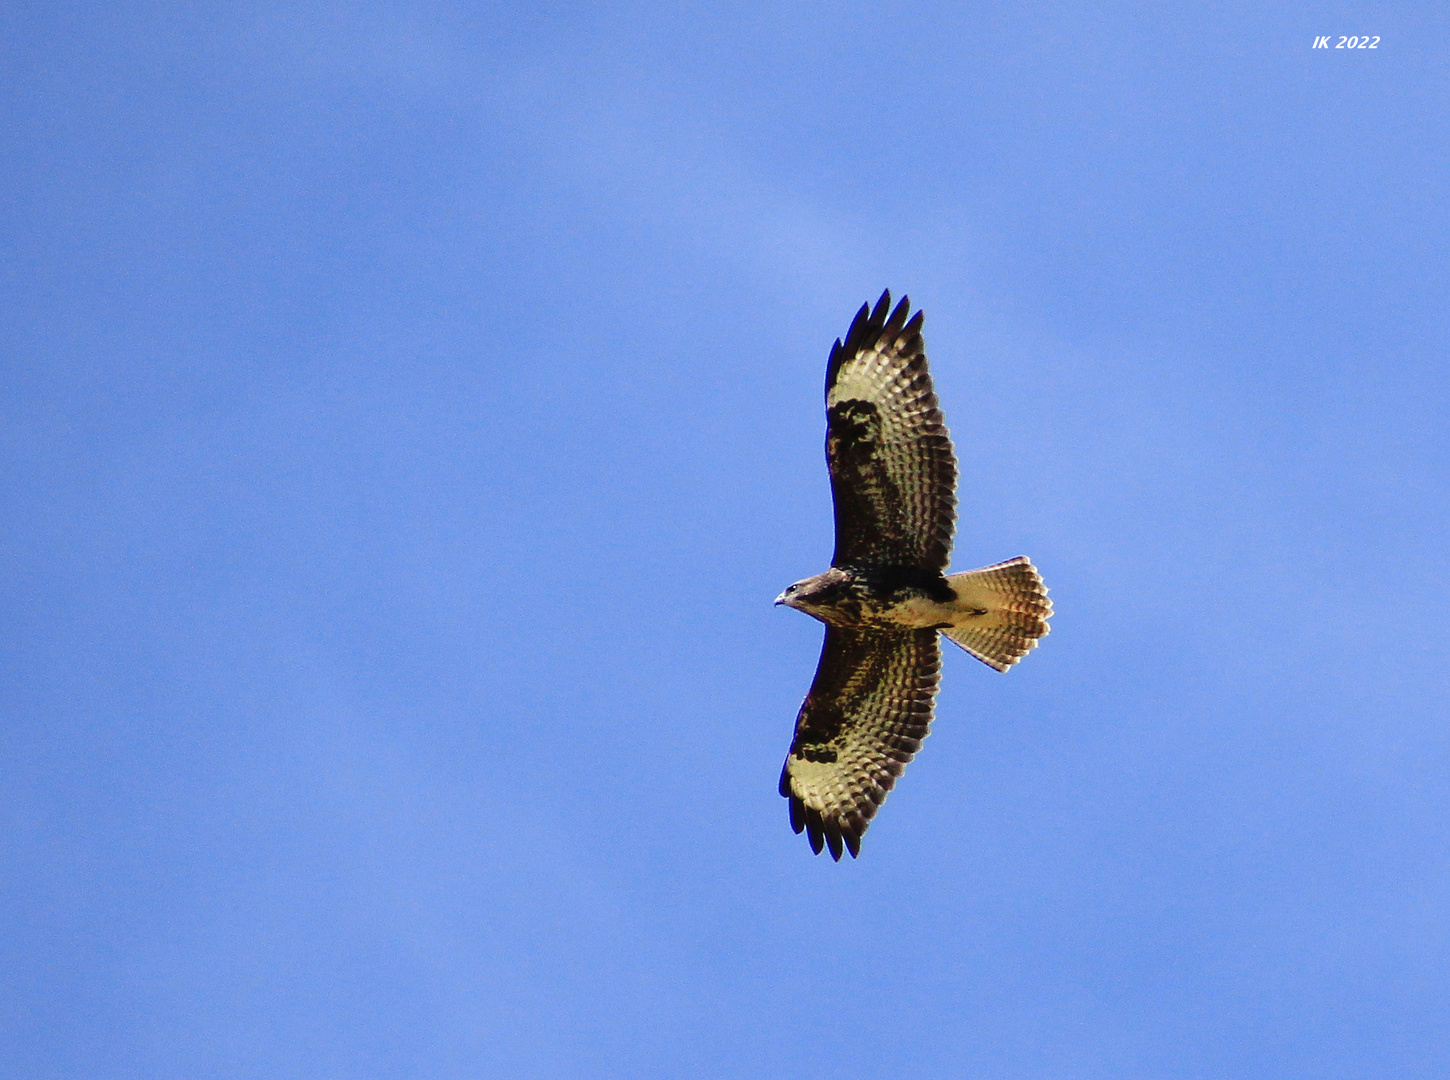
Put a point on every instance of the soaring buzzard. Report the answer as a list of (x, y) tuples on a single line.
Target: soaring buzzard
[(893, 480)]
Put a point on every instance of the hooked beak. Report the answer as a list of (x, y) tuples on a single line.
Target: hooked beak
[(780, 600)]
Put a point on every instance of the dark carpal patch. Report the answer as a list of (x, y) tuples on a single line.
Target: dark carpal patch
[(868, 503), (854, 425), (822, 719)]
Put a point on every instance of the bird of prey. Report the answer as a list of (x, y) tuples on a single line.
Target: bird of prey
[(886, 596)]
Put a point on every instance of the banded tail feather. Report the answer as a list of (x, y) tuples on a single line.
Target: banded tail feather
[(1006, 611)]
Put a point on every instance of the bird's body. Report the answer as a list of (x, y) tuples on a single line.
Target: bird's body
[(885, 596), (882, 596)]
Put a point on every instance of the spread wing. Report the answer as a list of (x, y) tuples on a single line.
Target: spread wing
[(893, 474), (864, 718)]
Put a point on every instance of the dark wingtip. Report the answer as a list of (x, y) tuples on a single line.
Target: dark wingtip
[(825, 832), (898, 318), (834, 361), (813, 831), (843, 350), (872, 323), (832, 829)]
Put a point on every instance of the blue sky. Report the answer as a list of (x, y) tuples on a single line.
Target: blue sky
[(410, 411)]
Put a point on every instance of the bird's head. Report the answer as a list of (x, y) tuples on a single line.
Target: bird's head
[(813, 593)]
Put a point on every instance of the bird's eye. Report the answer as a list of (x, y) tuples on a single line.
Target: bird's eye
[(793, 588)]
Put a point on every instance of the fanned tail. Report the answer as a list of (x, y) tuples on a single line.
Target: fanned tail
[(1003, 611)]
